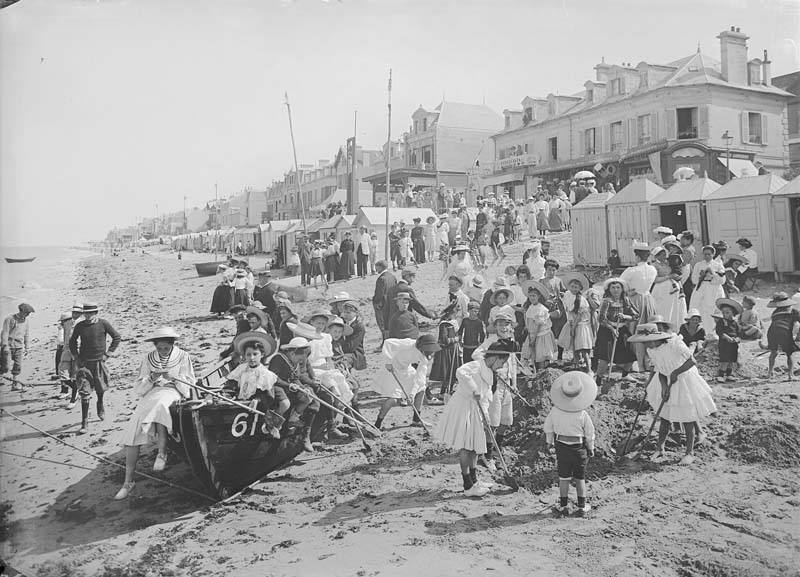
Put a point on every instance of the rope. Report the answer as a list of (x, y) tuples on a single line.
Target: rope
[(104, 460), (45, 460)]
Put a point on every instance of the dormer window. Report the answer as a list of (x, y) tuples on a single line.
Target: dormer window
[(590, 95), (616, 86), (527, 115), (424, 124), (551, 107)]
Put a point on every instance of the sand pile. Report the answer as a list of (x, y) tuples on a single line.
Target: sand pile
[(776, 444)]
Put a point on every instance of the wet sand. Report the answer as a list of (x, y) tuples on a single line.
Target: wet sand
[(399, 510)]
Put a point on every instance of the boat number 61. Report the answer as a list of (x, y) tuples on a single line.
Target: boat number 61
[(240, 426)]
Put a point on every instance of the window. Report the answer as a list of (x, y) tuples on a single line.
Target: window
[(552, 147), (424, 124), (590, 95), (526, 148), (687, 123), (527, 116), (413, 158), (416, 126), (551, 107), (616, 135), (643, 129), (589, 142), (508, 121), (427, 156), (616, 86), (754, 133)]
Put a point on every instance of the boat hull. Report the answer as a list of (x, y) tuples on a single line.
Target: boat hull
[(17, 260), (208, 268)]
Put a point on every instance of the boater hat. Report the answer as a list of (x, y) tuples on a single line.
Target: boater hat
[(77, 308), (662, 230), (266, 341), (573, 391), (339, 297), (320, 313), (649, 332), (304, 330), (162, 333), (661, 323), (780, 300), (692, 313), (477, 281), (91, 307), (740, 258), (295, 343), (567, 277), (427, 343), (615, 280), (729, 303), (540, 288), (262, 317), (638, 245), (502, 286)]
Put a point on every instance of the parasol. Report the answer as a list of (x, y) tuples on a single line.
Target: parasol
[(583, 174)]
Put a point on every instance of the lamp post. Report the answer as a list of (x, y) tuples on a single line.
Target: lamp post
[(727, 138)]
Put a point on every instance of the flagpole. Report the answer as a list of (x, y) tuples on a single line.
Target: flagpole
[(388, 167), (296, 168)]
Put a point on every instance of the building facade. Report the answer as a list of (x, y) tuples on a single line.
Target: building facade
[(791, 83), (721, 118)]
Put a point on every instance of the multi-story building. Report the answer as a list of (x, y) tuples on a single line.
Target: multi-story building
[(441, 146), (719, 117), (791, 83)]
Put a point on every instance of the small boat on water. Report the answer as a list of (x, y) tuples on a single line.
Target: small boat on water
[(208, 268), (228, 447), (15, 260)]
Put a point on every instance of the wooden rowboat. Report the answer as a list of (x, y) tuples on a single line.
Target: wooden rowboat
[(208, 268), (14, 260), (229, 447)]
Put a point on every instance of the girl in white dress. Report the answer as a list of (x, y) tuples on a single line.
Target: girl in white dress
[(163, 378), (578, 335), (540, 346), (679, 391), (708, 276), (461, 426)]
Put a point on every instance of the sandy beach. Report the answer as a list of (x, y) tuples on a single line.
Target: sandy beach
[(399, 510)]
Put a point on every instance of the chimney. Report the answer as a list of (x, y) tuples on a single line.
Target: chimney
[(601, 71), (766, 75), (733, 49)]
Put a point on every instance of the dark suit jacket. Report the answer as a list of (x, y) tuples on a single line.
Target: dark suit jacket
[(354, 345), (383, 285), (265, 294), (415, 306)]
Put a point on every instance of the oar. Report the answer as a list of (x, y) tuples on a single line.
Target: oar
[(511, 481), (367, 447), (411, 402)]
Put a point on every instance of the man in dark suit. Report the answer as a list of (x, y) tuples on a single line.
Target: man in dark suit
[(408, 277), (264, 292), (383, 286)]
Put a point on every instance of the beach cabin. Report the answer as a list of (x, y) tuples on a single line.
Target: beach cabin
[(337, 225), (786, 228), (590, 230), (682, 207), (374, 218), (271, 231), (743, 208), (629, 217)]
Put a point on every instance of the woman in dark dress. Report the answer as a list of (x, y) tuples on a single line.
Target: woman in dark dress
[(347, 261), (616, 311), (223, 294), (417, 238), (448, 359)]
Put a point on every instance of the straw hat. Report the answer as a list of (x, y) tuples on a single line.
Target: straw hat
[(262, 316), (567, 277), (648, 332), (614, 280), (320, 313), (662, 230), (740, 258), (295, 343), (779, 300), (281, 295), (668, 238), (692, 313), (427, 343), (350, 304), (729, 303), (284, 303), (340, 296), (77, 308), (65, 317), (638, 245), (573, 391), (478, 282), (540, 288), (657, 250), (661, 322), (162, 333), (304, 330), (673, 244), (501, 286), (91, 307), (266, 341)]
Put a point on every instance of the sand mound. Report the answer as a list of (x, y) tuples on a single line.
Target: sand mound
[(776, 444)]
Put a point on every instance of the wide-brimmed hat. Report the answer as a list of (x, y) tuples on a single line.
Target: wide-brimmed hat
[(65, 317), (417, 219), (478, 282), (320, 313), (779, 300), (613, 280), (295, 343), (573, 391), (729, 303), (668, 238), (673, 244), (162, 333), (281, 295), (90, 308), (403, 295), (649, 332), (660, 321), (350, 303), (740, 258), (540, 288), (569, 276), (638, 245), (77, 308), (284, 303), (501, 286), (657, 250), (262, 316), (427, 343), (456, 278), (710, 247), (266, 341), (745, 242), (662, 230), (304, 330), (692, 313)]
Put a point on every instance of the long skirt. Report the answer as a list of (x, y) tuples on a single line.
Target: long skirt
[(646, 307), (347, 264), (669, 302), (689, 400), (222, 300), (704, 299), (240, 297), (461, 425), (556, 224), (604, 345), (419, 250), (445, 363), (583, 339), (541, 220), (541, 349), (153, 409)]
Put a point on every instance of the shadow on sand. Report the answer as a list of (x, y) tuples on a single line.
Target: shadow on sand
[(367, 504)]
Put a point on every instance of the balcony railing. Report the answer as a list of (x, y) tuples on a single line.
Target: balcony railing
[(513, 161)]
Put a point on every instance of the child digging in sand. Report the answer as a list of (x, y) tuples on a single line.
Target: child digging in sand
[(782, 335)]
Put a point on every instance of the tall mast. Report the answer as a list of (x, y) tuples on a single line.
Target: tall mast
[(388, 167), (296, 168)]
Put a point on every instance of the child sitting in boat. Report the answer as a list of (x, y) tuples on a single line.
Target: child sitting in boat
[(254, 381), (286, 365)]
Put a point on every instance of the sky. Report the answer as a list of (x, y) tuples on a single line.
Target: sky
[(114, 110)]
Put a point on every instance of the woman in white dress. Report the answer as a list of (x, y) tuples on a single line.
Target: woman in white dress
[(708, 276), (164, 379), (667, 296), (679, 391), (406, 363), (461, 426)]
